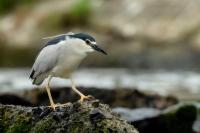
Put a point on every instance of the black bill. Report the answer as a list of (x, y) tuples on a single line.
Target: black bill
[(97, 48)]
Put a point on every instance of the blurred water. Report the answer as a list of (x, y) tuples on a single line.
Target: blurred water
[(183, 84), (138, 113)]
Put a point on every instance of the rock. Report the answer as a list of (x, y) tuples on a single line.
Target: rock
[(13, 99), (89, 116), (181, 118)]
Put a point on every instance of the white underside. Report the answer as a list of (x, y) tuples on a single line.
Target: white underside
[(67, 63)]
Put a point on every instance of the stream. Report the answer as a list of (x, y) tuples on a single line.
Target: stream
[(185, 85)]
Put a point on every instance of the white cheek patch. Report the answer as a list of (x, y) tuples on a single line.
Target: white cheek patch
[(88, 48), (93, 43)]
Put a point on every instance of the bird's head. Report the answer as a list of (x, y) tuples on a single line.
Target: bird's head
[(88, 43)]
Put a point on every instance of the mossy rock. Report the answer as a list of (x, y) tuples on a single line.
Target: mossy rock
[(180, 119), (90, 116)]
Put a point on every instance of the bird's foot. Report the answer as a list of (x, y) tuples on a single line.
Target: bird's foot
[(54, 106), (86, 98)]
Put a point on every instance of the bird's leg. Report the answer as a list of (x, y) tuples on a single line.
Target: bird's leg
[(52, 104), (49, 93), (83, 97)]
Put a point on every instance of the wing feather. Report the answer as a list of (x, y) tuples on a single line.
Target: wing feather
[(45, 61)]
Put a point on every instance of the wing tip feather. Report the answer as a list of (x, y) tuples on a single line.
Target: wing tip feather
[(32, 74)]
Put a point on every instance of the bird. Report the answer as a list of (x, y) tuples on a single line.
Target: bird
[(59, 57)]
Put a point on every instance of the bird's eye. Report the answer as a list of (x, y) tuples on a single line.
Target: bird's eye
[(87, 41)]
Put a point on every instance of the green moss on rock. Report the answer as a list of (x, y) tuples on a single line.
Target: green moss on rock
[(42, 126), (77, 117), (8, 116), (19, 128), (180, 119)]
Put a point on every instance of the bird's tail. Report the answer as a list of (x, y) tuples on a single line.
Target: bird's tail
[(39, 79)]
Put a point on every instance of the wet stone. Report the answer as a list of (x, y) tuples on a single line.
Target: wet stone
[(96, 115)]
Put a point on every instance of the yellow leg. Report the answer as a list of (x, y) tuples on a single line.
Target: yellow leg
[(49, 93), (83, 97), (52, 104)]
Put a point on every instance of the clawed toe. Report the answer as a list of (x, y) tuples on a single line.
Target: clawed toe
[(54, 106), (86, 98)]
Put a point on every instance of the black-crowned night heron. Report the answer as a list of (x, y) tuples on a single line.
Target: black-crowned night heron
[(60, 57)]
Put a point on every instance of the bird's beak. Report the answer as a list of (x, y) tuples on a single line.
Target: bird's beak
[(97, 48)]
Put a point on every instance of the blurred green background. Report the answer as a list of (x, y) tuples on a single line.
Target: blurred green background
[(138, 34)]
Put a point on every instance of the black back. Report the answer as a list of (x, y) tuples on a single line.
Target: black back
[(55, 40), (83, 36), (62, 37)]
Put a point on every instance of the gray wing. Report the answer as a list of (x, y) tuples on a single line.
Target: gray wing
[(45, 61)]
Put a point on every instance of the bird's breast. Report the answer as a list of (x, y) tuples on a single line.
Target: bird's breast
[(67, 62)]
